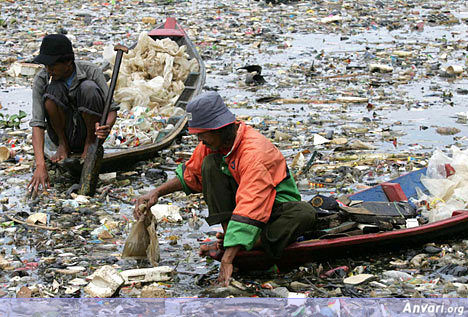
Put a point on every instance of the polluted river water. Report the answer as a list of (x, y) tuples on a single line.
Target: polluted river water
[(310, 64)]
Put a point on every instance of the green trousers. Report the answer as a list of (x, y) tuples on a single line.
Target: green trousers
[(288, 220)]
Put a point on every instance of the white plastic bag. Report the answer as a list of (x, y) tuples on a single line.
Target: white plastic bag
[(439, 188), (460, 162), (436, 166), (447, 194)]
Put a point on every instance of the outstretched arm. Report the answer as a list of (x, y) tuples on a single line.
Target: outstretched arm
[(40, 176), (226, 268)]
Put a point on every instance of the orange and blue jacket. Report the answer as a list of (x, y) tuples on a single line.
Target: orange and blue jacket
[(262, 176)]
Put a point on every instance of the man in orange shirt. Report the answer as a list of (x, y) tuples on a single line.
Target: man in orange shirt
[(244, 180)]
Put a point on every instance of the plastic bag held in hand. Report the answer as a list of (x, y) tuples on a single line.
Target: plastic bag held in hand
[(142, 242), (137, 241)]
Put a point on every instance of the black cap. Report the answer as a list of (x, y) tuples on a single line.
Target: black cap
[(53, 47)]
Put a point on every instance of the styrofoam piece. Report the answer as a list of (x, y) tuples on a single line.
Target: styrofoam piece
[(108, 177), (358, 279), (462, 116), (332, 19), (80, 199), (402, 53), (455, 69), (105, 282), (153, 274), (169, 212), (24, 69), (318, 139), (412, 223), (382, 68), (352, 99), (37, 217)]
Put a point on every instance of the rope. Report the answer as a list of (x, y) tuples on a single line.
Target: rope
[(398, 209)]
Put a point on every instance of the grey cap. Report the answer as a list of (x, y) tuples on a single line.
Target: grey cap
[(208, 112)]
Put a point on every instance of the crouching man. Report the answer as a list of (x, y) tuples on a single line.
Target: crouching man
[(245, 182), (68, 102)]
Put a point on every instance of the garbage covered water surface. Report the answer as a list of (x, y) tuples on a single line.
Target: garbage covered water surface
[(373, 87)]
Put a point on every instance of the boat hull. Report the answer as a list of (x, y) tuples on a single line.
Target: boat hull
[(312, 250), (308, 251)]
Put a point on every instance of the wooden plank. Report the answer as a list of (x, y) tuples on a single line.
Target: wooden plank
[(328, 221), (383, 209), (368, 228), (341, 228), (357, 211)]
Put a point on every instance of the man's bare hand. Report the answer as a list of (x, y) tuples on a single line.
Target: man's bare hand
[(225, 273), (40, 178), (102, 131), (144, 203), (226, 267)]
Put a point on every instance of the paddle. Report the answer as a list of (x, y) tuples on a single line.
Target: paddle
[(92, 163)]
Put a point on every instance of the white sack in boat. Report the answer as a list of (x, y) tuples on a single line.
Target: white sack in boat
[(150, 59), (459, 162), (447, 194), (439, 188), (151, 77)]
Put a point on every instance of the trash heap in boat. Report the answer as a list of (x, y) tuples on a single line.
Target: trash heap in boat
[(345, 217), (151, 80), (420, 197)]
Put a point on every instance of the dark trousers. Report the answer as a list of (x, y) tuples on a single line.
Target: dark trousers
[(89, 99), (288, 220)]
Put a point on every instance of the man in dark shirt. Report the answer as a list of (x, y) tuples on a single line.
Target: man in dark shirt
[(68, 101)]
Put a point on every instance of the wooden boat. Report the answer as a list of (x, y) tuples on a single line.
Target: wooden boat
[(316, 249), (115, 159)]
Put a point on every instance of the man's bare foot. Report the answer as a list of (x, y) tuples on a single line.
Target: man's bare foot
[(61, 154), (212, 247)]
